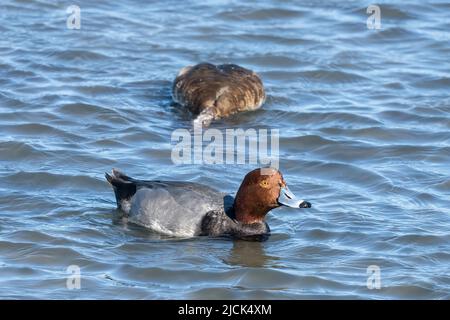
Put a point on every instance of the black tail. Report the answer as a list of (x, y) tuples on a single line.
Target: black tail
[(124, 186)]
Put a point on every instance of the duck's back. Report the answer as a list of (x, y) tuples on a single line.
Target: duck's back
[(218, 90), (168, 207), (173, 208)]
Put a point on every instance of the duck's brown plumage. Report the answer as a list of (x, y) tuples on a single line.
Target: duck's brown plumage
[(218, 91), (257, 195)]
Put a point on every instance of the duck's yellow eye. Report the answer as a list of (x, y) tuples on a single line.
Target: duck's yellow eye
[(264, 184)]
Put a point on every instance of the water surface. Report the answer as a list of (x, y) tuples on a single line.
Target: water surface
[(364, 120)]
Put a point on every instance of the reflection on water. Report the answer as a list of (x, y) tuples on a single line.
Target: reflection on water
[(250, 254)]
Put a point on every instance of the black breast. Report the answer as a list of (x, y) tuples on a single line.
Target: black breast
[(217, 223)]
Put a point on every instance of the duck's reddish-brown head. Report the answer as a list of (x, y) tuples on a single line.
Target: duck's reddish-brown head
[(261, 191)]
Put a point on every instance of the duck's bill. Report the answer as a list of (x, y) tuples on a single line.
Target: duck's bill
[(287, 198)]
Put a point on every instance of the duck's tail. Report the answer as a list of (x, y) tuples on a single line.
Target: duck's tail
[(204, 118), (124, 188)]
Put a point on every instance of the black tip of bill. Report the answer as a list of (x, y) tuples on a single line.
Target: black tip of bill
[(305, 204)]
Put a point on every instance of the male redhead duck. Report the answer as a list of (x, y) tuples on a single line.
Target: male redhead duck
[(188, 209), (212, 92)]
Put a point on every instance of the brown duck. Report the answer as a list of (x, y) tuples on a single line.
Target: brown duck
[(212, 92)]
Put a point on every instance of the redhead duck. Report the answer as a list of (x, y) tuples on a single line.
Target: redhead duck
[(212, 92), (190, 209)]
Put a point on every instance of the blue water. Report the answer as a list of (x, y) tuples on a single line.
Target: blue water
[(364, 120)]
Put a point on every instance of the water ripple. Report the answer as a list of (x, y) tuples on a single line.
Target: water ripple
[(363, 117)]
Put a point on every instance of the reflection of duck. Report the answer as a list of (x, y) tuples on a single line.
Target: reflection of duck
[(212, 92), (192, 209), (249, 254)]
